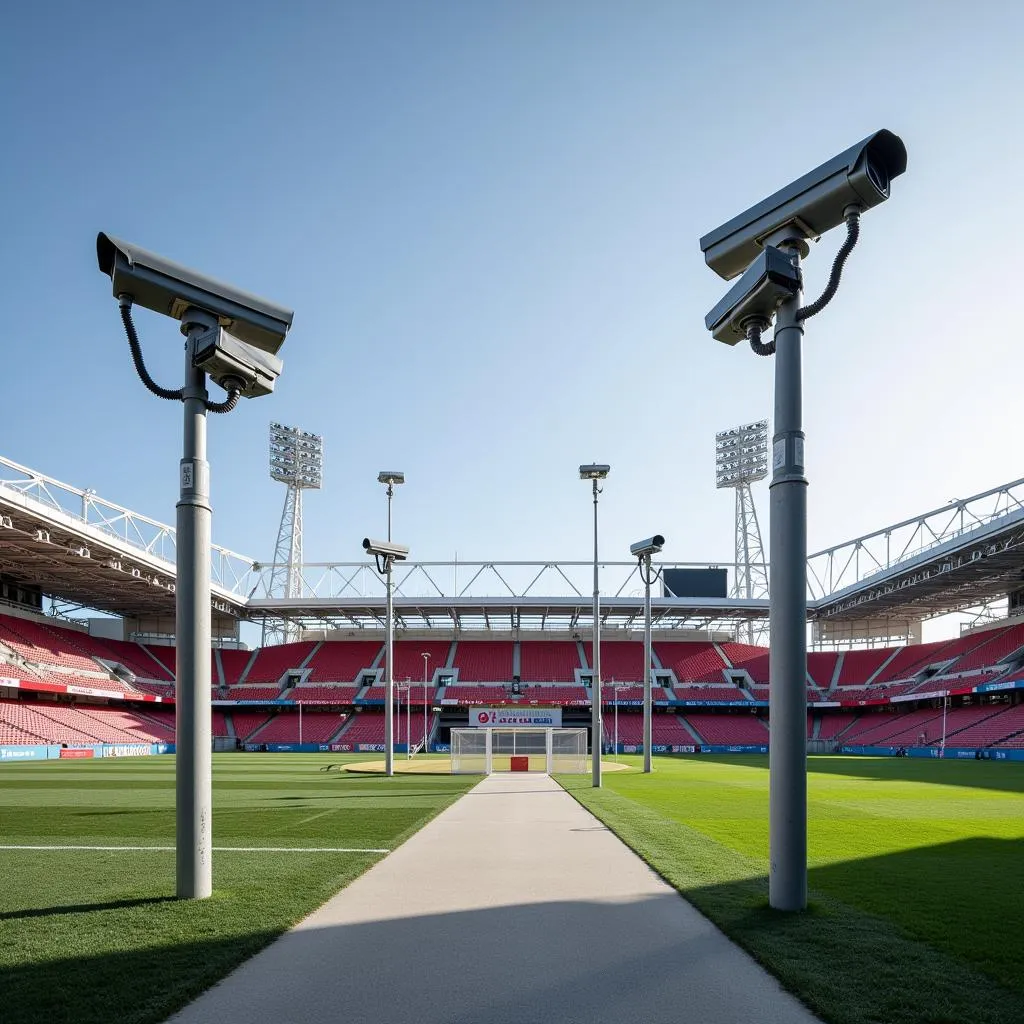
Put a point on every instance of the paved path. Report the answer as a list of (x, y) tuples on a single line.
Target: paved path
[(513, 906)]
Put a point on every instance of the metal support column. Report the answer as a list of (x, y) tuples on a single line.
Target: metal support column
[(648, 724), (787, 883), (389, 681), (597, 736), (193, 764)]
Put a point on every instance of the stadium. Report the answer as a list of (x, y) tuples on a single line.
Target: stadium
[(416, 755)]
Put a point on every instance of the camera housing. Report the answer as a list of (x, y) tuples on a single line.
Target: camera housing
[(385, 549), (764, 286), (813, 204), (169, 288), (649, 546), (234, 364)]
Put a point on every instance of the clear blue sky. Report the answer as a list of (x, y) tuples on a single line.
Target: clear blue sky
[(485, 216)]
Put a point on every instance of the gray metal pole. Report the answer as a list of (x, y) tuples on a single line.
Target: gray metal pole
[(389, 682), (648, 725), (597, 737), (787, 881), (391, 491), (193, 763)]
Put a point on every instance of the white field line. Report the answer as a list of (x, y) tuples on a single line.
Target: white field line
[(216, 849)]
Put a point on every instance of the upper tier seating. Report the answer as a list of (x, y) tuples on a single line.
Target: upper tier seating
[(38, 643), (483, 661), (708, 693), (994, 645), (415, 695), (246, 692), (821, 666), (471, 693), (548, 661), (860, 666), (342, 661), (620, 659), (692, 662), (909, 660), (409, 658), (753, 659), (537, 694), (273, 662), (233, 663)]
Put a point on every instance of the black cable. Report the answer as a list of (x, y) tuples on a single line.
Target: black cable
[(852, 234), (140, 367), (762, 348), (228, 404)]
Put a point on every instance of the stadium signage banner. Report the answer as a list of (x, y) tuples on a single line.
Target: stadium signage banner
[(516, 718), (1015, 684), (126, 750)]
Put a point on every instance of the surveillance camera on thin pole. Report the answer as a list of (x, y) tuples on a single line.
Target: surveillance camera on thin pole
[(234, 337), (642, 550), (386, 554), (765, 245), (596, 472)]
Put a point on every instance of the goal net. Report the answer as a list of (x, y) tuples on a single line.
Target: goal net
[(483, 751)]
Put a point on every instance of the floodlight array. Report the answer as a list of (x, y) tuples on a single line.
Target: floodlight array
[(296, 457), (741, 454)]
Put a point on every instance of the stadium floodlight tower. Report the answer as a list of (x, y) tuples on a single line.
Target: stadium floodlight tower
[(642, 550), (741, 458), (387, 553), (297, 461), (234, 337), (765, 245), (596, 472)]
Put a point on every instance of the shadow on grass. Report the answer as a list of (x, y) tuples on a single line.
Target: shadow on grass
[(522, 963), (83, 908), (1006, 776)]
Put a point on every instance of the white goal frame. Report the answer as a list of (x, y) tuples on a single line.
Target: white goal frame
[(485, 751)]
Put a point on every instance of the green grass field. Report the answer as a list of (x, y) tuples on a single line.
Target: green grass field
[(917, 905), (94, 937)]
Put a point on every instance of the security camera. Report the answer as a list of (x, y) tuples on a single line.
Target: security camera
[(650, 546), (385, 549), (808, 207), (766, 284), (165, 287), (235, 365)]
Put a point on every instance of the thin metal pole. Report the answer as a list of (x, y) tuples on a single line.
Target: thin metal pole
[(300, 723), (787, 882), (615, 690), (597, 740), (389, 683), (194, 769), (648, 722), (426, 657), (391, 492), (408, 719), (945, 701)]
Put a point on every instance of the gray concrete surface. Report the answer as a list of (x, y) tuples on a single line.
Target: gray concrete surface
[(513, 906)]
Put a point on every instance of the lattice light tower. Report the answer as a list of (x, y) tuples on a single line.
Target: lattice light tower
[(297, 461), (741, 458)]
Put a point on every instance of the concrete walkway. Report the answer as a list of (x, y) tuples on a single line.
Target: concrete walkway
[(513, 906)]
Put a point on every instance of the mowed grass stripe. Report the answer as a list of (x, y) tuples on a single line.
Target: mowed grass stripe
[(915, 899), (94, 936)]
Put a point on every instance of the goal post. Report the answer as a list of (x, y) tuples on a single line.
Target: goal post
[(483, 751)]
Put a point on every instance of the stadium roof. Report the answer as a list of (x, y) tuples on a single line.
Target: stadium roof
[(89, 552)]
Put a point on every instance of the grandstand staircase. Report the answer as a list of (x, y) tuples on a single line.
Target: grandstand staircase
[(697, 738)]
